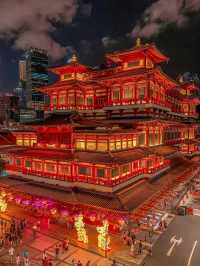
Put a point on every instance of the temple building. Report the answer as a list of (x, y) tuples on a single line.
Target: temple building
[(107, 129)]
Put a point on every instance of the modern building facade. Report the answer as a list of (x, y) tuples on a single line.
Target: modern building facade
[(33, 73)]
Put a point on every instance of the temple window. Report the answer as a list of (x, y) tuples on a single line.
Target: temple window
[(26, 142), (118, 145), (112, 145), (100, 172), (64, 170), (128, 91), (116, 94), (115, 172), (91, 145), (149, 63), (18, 162), (83, 170), (124, 144), (102, 146), (67, 76), (135, 165), (100, 100), (80, 100), (141, 139), (130, 143), (37, 166), (27, 164), (90, 100), (61, 99), (19, 141), (50, 168), (33, 141), (126, 169), (80, 144), (54, 100), (141, 87), (71, 99), (149, 163), (134, 142)]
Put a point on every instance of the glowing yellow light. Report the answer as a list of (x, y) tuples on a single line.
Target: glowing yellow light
[(103, 237), (3, 204), (80, 228)]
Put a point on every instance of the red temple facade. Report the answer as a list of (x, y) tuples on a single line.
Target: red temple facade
[(108, 128)]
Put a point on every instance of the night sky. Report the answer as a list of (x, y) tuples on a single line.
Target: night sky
[(93, 27)]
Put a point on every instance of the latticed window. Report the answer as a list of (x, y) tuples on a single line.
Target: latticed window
[(141, 139), (28, 163), (83, 170), (71, 99), (116, 94), (135, 63), (126, 169), (50, 168), (100, 172), (64, 169), (61, 99), (91, 145), (128, 91), (54, 99), (90, 100), (102, 146), (115, 172), (141, 87), (80, 144), (18, 162), (80, 100)]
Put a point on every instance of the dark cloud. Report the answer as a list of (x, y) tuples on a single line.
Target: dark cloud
[(162, 13), (30, 23)]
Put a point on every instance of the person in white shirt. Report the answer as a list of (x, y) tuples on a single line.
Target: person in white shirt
[(11, 252), (18, 260)]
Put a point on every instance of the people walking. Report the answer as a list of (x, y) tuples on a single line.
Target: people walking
[(114, 263), (11, 252), (88, 263), (79, 263), (57, 251), (18, 259), (140, 248), (73, 263)]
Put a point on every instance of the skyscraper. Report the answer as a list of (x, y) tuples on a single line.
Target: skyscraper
[(33, 71)]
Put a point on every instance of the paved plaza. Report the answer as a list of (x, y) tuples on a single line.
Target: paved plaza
[(42, 242)]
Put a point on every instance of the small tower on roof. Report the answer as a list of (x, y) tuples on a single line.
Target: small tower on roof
[(138, 42), (74, 59)]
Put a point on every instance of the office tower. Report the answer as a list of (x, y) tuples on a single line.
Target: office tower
[(35, 64)]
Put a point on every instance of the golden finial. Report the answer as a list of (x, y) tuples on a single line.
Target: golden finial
[(138, 42), (74, 59)]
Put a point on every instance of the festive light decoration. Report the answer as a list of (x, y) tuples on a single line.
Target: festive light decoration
[(80, 228), (3, 203), (103, 237)]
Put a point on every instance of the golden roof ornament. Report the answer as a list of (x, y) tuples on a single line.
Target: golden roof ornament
[(138, 42), (74, 59)]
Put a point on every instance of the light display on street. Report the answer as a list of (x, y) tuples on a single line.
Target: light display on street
[(80, 228), (3, 203), (103, 237)]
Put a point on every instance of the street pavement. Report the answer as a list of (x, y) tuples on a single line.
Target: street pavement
[(179, 245), (42, 242)]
